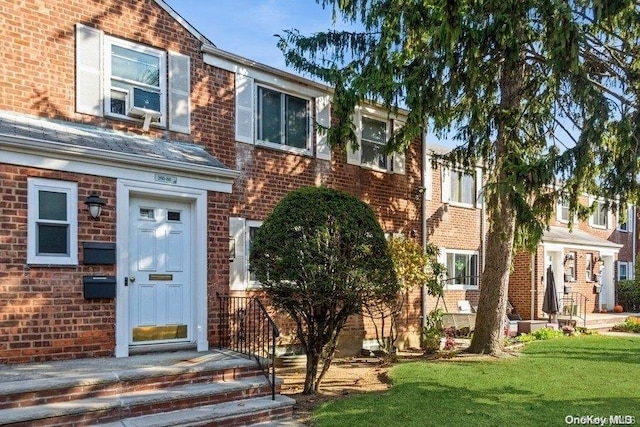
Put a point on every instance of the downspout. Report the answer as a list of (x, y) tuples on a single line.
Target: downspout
[(423, 203), (534, 281), (634, 224)]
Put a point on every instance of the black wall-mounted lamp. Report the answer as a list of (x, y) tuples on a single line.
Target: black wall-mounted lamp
[(94, 205)]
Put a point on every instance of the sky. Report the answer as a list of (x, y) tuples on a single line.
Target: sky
[(247, 27)]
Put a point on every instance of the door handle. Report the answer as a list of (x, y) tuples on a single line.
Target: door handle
[(129, 279)]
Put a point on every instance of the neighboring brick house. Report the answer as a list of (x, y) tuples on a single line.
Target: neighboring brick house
[(588, 259), (274, 158)]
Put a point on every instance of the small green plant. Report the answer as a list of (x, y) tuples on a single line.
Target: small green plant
[(540, 335), (631, 324), (432, 331)]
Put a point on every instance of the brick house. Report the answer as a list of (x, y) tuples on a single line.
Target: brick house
[(184, 148), (588, 259), (189, 147)]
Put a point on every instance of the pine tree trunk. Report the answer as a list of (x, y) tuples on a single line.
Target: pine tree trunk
[(494, 285), (489, 331)]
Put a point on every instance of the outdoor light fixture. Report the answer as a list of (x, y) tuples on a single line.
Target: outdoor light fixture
[(569, 257), (94, 205)]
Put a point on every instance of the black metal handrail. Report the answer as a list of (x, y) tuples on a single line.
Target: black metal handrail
[(246, 327), (574, 304)]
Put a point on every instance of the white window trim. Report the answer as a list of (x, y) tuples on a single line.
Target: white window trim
[(251, 284), (559, 207), (387, 135), (395, 161), (443, 260), (628, 222), (627, 267), (607, 217), (283, 147), (446, 187), (34, 185), (110, 41)]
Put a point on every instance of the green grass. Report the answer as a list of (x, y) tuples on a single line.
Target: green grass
[(579, 376)]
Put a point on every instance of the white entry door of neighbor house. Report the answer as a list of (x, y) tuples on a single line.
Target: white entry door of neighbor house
[(159, 280)]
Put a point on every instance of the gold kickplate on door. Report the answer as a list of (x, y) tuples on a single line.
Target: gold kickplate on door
[(157, 333)]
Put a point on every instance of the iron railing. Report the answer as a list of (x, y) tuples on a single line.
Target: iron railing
[(574, 305), (246, 327)]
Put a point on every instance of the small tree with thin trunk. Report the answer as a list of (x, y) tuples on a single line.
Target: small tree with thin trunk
[(415, 267), (320, 255)]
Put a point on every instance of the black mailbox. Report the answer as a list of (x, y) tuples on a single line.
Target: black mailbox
[(99, 253), (99, 286)]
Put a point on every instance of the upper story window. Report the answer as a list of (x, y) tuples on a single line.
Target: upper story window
[(460, 187), (627, 225), (463, 188), (563, 210), (372, 140), (52, 222), (600, 216), (131, 81), (136, 83), (283, 119), (373, 132), (278, 114)]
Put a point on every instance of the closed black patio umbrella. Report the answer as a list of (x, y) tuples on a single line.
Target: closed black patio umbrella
[(550, 303)]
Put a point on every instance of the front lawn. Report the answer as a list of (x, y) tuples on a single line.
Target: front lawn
[(552, 380)]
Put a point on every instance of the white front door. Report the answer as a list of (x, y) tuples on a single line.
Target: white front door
[(159, 280)]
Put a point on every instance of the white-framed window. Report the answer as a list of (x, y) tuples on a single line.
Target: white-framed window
[(373, 137), (283, 120), (241, 235), (627, 225), (563, 210), (373, 130), (588, 259), (623, 270), (461, 188), (571, 261), (131, 81), (276, 113), (52, 222), (135, 81), (462, 268), (600, 216)]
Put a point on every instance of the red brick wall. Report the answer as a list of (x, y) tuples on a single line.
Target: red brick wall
[(43, 313)]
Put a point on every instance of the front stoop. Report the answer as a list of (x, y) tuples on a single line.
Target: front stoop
[(179, 388)]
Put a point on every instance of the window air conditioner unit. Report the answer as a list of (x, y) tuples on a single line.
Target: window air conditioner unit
[(144, 104)]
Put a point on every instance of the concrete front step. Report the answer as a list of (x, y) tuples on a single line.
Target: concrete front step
[(230, 414), (62, 381), (89, 391), (135, 403)]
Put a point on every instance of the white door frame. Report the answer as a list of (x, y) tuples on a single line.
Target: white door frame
[(125, 189), (607, 281), (556, 253)]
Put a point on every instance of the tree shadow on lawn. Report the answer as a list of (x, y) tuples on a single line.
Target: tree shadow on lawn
[(428, 403)]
